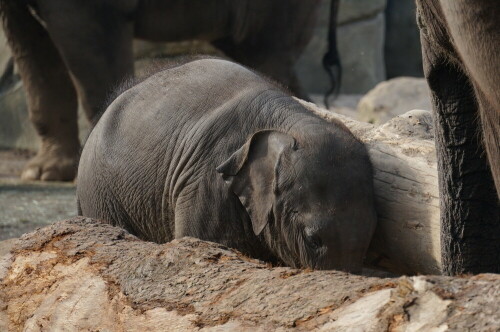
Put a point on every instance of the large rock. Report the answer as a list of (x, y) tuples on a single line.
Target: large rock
[(82, 275), (394, 97), (360, 43)]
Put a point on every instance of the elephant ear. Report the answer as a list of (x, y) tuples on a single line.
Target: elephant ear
[(251, 173)]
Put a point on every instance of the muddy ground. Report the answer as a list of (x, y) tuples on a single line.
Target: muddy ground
[(25, 206)]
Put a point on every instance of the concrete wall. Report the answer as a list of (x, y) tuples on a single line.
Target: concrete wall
[(402, 52)]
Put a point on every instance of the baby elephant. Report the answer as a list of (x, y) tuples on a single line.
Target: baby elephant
[(212, 150)]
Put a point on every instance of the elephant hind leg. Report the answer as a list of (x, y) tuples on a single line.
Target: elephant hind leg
[(51, 96), (96, 45)]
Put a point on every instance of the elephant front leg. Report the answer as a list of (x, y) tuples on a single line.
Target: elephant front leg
[(469, 208), (51, 97), (53, 106)]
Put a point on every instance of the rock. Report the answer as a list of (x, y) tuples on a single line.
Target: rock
[(415, 123), (402, 52), (394, 97), (360, 44), (81, 274)]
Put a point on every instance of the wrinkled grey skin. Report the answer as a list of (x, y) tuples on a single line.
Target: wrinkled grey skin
[(210, 149), (460, 48)]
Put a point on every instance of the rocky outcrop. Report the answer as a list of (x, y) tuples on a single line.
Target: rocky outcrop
[(82, 275), (394, 97)]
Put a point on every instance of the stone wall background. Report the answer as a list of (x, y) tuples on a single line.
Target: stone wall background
[(377, 39), (402, 50), (360, 35)]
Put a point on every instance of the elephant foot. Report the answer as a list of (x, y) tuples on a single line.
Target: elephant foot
[(52, 163)]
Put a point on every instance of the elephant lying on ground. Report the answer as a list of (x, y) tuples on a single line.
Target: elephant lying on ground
[(65, 46), (461, 43), (210, 149)]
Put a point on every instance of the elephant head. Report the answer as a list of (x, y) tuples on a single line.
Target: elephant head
[(310, 199)]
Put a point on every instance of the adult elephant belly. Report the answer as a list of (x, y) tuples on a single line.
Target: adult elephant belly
[(178, 20)]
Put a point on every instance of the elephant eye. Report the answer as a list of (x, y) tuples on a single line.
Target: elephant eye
[(316, 241)]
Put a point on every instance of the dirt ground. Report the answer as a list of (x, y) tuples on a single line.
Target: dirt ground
[(25, 206)]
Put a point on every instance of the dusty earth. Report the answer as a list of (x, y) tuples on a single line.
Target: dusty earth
[(25, 206)]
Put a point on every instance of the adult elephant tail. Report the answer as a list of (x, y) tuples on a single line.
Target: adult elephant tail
[(331, 60)]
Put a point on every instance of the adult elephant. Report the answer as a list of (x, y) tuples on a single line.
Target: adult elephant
[(70, 48), (460, 42)]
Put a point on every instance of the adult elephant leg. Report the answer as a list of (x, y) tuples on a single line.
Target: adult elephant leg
[(476, 33), (470, 234), (96, 45), (51, 97)]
